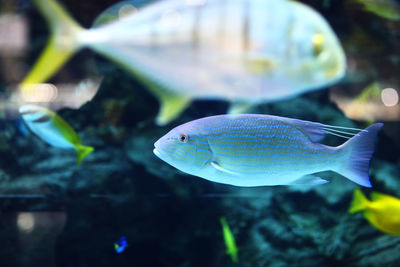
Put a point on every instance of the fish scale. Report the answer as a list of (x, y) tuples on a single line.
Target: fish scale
[(256, 150)]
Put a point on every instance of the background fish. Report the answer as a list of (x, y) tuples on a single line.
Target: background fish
[(383, 211), (120, 245), (229, 239), (258, 150), (244, 51), (52, 129), (388, 9)]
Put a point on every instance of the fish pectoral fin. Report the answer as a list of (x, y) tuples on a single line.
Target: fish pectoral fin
[(172, 106), (260, 64), (309, 180), (240, 107), (222, 169)]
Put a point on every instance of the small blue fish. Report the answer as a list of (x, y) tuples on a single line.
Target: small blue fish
[(120, 245), (258, 150)]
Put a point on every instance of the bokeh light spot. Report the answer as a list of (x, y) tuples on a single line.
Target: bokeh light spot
[(25, 221), (389, 97)]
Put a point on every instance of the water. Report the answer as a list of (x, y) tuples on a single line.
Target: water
[(55, 213)]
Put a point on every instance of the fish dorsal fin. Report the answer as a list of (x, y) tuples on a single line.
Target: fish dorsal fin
[(317, 131), (222, 169), (313, 130), (309, 180), (375, 196), (118, 11), (239, 107)]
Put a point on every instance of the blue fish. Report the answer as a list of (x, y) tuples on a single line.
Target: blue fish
[(120, 245), (259, 150), (54, 130)]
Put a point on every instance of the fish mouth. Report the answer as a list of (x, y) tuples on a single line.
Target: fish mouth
[(156, 152)]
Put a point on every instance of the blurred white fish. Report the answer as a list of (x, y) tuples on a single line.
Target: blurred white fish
[(243, 51), (52, 129)]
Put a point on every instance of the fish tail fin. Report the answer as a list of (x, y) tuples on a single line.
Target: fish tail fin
[(82, 152), (359, 202), (62, 44), (360, 148)]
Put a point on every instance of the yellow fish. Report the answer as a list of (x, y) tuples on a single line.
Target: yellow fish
[(383, 211), (52, 129), (231, 248)]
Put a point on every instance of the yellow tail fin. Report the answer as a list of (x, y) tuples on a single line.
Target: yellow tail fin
[(63, 42), (359, 202), (82, 152)]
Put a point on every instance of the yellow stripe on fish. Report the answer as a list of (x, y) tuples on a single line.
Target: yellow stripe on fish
[(259, 150), (52, 129), (246, 51)]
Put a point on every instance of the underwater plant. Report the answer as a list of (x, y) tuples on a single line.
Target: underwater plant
[(382, 211)]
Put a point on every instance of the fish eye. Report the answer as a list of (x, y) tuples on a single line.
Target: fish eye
[(183, 138), (318, 43)]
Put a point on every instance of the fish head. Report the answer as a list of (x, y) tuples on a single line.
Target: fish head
[(31, 113), (316, 56), (185, 148)]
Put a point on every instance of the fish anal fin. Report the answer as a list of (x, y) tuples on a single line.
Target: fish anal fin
[(309, 180), (172, 106), (222, 169)]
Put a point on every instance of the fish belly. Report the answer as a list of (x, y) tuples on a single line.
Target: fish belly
[(51, 135)]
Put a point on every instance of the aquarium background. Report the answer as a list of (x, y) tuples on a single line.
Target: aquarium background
[(55, 213)]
